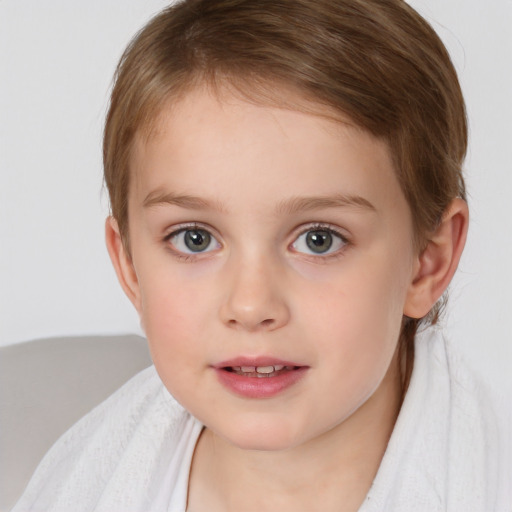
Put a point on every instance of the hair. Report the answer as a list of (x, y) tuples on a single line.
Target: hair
[(376, 61)]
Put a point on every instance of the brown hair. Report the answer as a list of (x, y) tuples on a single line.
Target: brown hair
[(377, 61)]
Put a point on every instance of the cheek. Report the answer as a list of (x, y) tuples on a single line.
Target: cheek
[(173, 323), (355, 319), (173, 317), (364, 296), (172, 297)]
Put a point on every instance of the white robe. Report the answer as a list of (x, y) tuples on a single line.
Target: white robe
[(450, 449)]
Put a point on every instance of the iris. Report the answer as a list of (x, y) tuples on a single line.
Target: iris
[(197, 240), (319, 241)]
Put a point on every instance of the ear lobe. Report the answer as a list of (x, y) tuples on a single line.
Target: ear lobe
[(122, 262), (437, 263)]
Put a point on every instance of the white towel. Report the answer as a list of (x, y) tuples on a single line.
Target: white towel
[(127, 455), (450, 449)]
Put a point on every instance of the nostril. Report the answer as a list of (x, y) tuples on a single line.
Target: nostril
[(268, 323), (253, 313)]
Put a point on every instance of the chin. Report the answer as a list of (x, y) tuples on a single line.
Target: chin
[(261, 445), (261, 436)]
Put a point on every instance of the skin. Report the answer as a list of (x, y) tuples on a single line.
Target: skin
[(258, 179)]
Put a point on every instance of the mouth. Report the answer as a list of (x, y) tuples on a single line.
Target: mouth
[(260, 372), (260, 377)]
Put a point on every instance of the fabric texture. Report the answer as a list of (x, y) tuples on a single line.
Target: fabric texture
[(451, 446), (131, 453), (450, 449)]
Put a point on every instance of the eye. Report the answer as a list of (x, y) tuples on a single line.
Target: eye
[(319, 241), (193, 241)]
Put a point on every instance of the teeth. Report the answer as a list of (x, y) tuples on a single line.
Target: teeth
[(258, 369), (265, 369)]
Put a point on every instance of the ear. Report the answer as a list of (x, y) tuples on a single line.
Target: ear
[(122, 262), (437, 263)]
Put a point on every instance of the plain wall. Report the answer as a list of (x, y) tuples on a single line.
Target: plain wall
[(56, 62)]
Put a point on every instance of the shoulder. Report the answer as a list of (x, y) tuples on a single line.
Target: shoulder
[(117, 439), (473, 394), (481, 419), (466, 399), (471, 419), (480, 422), (451, 445)]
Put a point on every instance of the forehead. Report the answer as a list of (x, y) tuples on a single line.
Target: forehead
[(245, 152), (194, 102)]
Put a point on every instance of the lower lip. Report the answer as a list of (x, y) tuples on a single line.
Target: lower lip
[(259, 387)]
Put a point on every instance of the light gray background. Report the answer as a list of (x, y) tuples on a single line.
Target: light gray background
[(56, 62)]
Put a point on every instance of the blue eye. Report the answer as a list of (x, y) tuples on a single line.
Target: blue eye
[(193, 241), (319, 241)]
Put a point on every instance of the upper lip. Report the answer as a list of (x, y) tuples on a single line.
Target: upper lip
[(255, 361)]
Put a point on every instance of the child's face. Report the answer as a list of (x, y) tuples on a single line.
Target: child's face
[(263, 236)]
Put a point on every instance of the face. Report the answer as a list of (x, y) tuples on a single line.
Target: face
[(271, 258)]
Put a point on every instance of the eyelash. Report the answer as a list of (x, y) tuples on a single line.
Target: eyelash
[(181, 256), (323, 258), (320, 257)]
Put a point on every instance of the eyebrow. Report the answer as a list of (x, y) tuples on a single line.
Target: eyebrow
[(287, 207), (304, 204), (187, 201)]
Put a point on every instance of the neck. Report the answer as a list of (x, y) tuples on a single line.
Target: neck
[(336, 468)]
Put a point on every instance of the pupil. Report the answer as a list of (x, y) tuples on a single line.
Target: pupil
[(319, 241), (197, 240)]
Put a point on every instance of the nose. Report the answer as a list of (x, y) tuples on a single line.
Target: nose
[(255, 299)]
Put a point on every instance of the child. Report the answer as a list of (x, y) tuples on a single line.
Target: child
[(287, 212)]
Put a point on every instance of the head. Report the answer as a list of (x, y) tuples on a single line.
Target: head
[(377, 62), (373, 64)]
